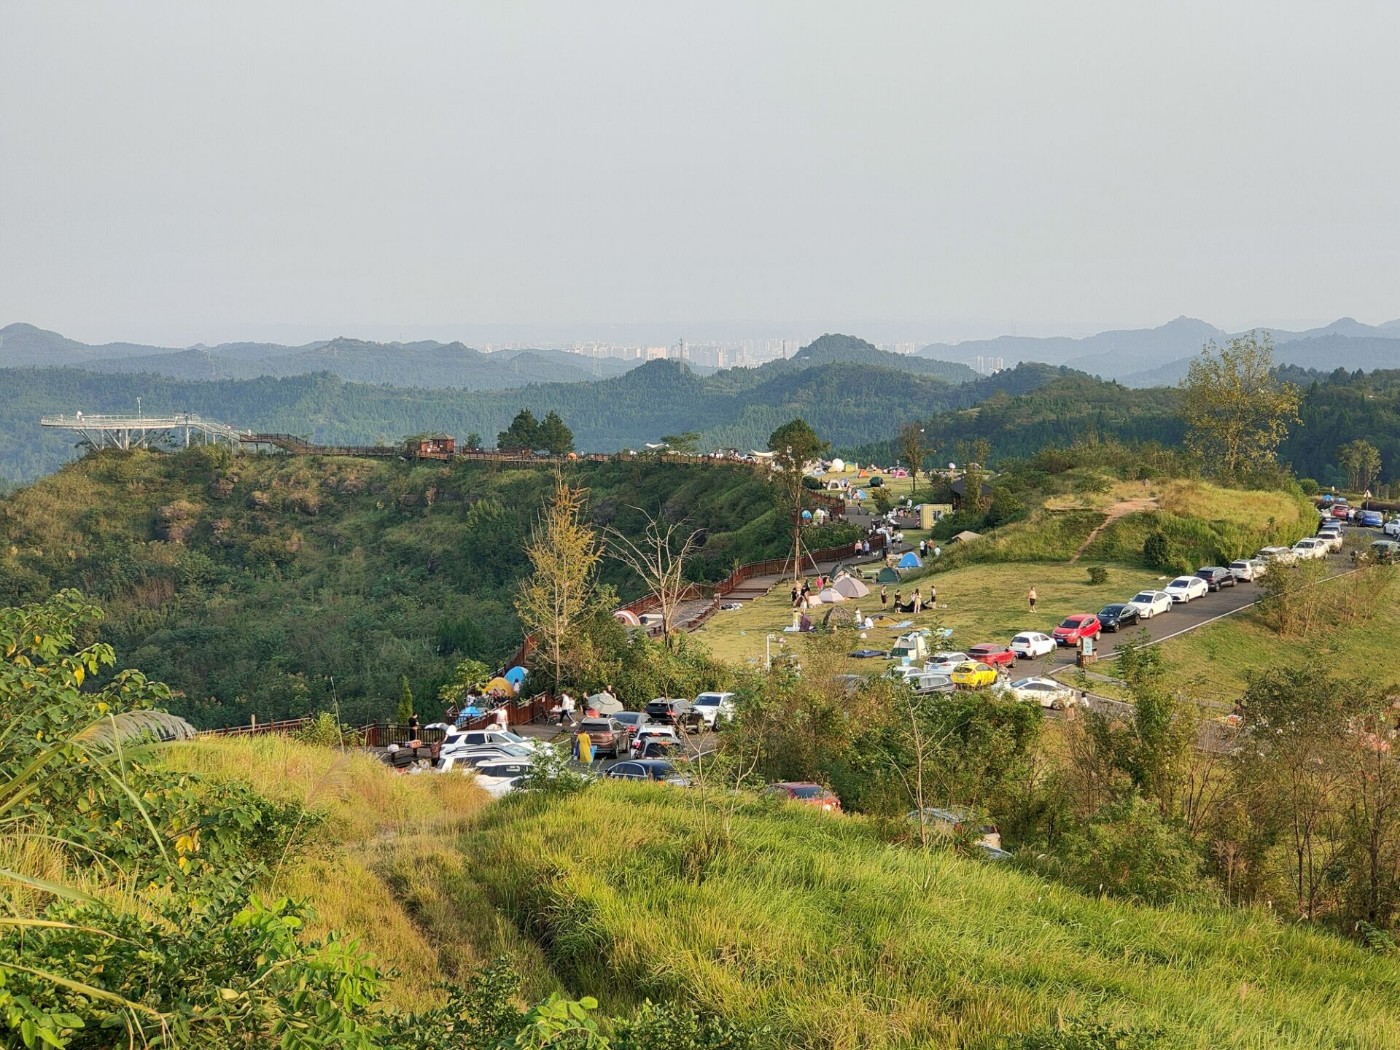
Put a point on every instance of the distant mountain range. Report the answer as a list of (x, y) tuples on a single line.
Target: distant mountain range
[(1143, 357), (420, 364)]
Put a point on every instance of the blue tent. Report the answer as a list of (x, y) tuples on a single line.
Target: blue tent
[(910, 561)]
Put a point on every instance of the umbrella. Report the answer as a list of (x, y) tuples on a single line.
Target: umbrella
[(603, 703)]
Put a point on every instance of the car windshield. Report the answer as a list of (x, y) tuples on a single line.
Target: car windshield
[(1073, 621), (806, 791), (707, 700), (1145, 596), (1111, 610)]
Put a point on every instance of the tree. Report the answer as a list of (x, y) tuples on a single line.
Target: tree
[(911, 443), (974, 458), (523, 432), (687, 442), (659, 557), (473, 440), (554, 436), (559, 592), (405, 710), (1362, 462), (1236, 410), (794, 445)]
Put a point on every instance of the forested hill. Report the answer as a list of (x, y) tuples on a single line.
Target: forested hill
[(1337, 407), (253, 582), (847, 402)]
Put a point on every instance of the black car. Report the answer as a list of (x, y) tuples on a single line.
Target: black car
[(646, 769), (1216, 577), (668, 710), (1112, 617)]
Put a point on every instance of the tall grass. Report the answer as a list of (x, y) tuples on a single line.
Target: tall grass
[(814, 926)]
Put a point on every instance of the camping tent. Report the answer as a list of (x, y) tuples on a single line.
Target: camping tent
[(910, 561), (888, 575), (516, 676), (966, 537), (838, 466), (830, 596), (814, 599), (500, 685), (628, 617), (851, 587)]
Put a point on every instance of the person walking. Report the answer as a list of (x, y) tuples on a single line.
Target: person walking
[(566, 709), (1030, 597)]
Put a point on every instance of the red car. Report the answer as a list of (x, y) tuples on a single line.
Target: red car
[(993, 654), (811, 794), (1077, 627)]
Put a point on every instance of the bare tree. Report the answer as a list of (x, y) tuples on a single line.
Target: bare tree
[(659, 557)]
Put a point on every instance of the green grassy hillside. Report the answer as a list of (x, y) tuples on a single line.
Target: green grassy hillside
[(819, 929), (281, 585)]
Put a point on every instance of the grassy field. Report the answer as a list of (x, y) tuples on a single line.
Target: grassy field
[(814, 926), (981, 603)]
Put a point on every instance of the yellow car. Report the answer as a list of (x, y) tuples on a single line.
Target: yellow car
[(974, 675)]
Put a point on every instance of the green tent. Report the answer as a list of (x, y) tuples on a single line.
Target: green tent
[(888, 575)]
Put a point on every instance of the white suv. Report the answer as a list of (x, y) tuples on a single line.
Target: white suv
[(711, 707)]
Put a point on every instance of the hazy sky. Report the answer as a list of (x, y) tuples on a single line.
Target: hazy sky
[(180, 171)]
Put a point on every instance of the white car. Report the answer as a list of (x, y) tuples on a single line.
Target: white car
[(1247, 570), (1282, 555), (1311, 548), (463, 738), (653, 731), (943, 663), (1044, 691), (468, 758), (1330, 538), (1030, 644), (712, 707), (1184, 588), (1149, 603), (1392, 527)]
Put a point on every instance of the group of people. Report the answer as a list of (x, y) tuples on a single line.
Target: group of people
[(565, 707), (915, 604)]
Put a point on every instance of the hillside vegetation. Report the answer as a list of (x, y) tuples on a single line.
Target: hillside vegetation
[(283, 585)]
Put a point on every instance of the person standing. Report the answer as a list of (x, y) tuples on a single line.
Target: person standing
[(918, 600), (897, 602), (584, 745), (884, 597), (413, 726), (932, 596), (1030, 597)]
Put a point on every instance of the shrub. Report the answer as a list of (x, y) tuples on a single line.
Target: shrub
[(1157, 552), (1309, 487), (1097, 575), (1131, 850)]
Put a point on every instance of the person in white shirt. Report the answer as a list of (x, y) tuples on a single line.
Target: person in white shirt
[(566, 709)]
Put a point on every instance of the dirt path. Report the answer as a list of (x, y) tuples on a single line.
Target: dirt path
[(1118, 510)]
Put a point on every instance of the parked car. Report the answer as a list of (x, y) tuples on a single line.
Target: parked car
[(1184, 588), (1332, 538), (1372, 519), (974, 675), (1119, 615), (1247, 570), (669, 710), (945, 663), (1044, 691), (714, 708), (808, 793), (930, 682), (1311, 548), (1341, 511), (993, 654), (867, 654), (1073, 629), (1384, 550), (1032, 644), (633, 720), (653, 731), (1281, 555), (478, 737), (950, 821), (1392, 527), (1216, 577), (1149, 603), (645, 769), (470, 757), (608, 736)]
